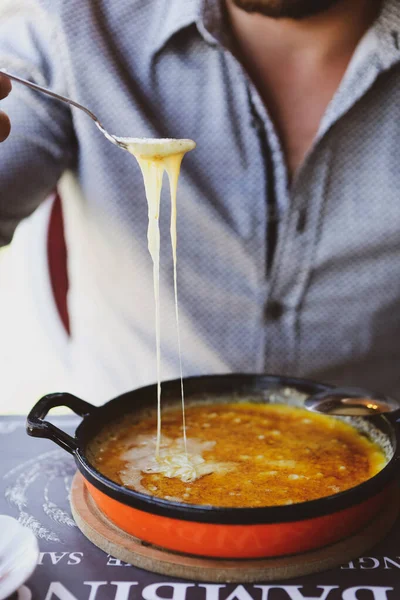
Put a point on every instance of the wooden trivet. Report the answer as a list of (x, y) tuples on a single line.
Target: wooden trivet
[(107, 536)]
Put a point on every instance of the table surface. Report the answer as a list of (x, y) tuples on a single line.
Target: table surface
[(35, 478)]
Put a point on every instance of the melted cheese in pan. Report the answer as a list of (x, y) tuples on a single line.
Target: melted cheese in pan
[(244, 454)]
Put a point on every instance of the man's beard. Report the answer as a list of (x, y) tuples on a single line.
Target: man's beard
[(285, 9)]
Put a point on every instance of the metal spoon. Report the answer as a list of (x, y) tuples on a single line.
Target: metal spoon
[(143, 147), (351, 402)]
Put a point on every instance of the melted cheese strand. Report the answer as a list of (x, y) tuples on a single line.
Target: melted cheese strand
[(155, 157), (153, 171), (173, 166)]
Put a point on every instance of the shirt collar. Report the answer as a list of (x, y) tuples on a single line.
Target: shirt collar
[(377, 52), (208, 16), (178, 15), (387, 29)]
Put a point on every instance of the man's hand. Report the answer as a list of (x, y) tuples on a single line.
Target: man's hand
[(5, 125)]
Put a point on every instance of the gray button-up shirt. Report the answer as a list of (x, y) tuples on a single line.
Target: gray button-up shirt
[(300, 279)]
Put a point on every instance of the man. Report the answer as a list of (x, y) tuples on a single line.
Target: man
[(288, 211)]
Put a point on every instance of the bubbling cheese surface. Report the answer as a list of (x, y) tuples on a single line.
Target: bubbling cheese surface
[(239, 454), (156, 156)]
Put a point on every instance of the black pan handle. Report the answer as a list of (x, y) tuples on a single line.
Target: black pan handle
[(37, 427)]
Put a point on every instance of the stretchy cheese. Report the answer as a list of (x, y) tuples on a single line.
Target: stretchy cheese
[(155, 156)]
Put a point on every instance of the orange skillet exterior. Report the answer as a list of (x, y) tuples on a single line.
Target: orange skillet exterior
[(238, 541)]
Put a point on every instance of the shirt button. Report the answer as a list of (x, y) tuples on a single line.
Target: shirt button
[(256, 124), (274, 310), (301, 221)]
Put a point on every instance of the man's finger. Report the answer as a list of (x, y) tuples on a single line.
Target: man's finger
[(5, 86), (5, 126)]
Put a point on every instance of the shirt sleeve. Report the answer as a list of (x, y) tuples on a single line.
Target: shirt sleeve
[(42, 143)]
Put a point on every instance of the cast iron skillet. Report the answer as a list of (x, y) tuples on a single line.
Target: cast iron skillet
[(94, 419)]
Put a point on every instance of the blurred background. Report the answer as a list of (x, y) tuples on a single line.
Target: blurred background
[(28, 369)]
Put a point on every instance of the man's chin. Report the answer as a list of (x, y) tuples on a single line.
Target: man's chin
[(285, 9)]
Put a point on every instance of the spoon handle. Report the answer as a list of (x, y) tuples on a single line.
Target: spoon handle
[(39, 88)]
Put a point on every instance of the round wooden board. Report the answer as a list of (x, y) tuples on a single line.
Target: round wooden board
[(105, 535)]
